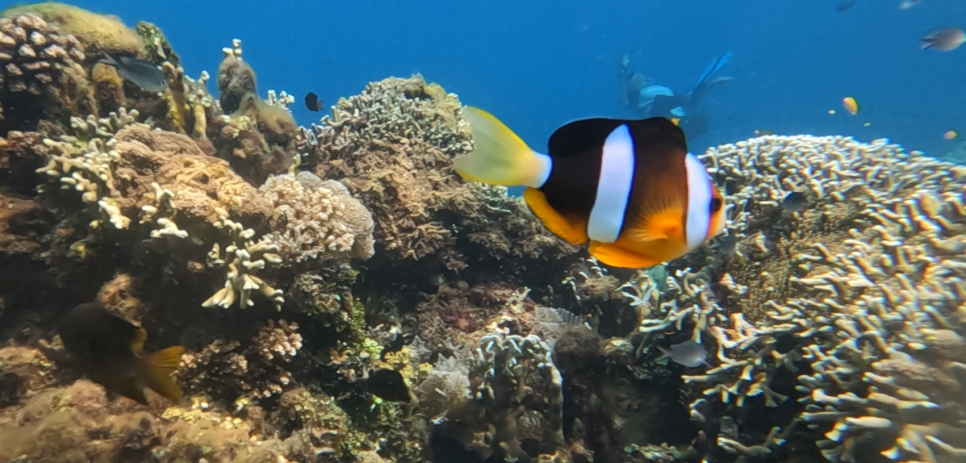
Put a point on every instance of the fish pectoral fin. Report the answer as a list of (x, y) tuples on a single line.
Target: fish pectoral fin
[(616, 256), (573, 233), (130, 389), (158, 369), (137, 344), (656, 225)]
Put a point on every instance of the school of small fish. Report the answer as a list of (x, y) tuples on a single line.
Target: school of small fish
[(943, 39)]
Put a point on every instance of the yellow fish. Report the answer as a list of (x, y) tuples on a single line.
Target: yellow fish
[(950, 134), (850, 105), (629, 188), (108, 349)]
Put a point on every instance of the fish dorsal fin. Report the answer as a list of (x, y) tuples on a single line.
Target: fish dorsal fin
[(137, 344), (580, 137), (158, 369), (653, 134)]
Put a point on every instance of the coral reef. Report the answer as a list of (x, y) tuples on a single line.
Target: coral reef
[(39, 72), (97, 33), (392, 147), (834, 333), (849, 294), (316, 219)]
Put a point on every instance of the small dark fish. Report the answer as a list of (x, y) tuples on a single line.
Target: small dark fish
[(844, 6), (795, 202), (312, 102), (943, 39), (728, 244), (108, 349), (763, 132), (388, 385), (144, 74), (688, 353)]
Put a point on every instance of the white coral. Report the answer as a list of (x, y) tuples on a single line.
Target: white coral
[(242, 258), (317, 219)]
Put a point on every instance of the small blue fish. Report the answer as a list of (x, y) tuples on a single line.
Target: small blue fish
[(144, 74), (688, 353)]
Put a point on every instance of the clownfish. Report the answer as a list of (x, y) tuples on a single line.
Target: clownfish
[(628, 187)]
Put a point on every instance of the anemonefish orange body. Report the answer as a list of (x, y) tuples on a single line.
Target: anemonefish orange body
[(628, 187)]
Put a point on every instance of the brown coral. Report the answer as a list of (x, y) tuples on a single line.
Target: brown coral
[(252, 373), (392, 146), (98, 33), (77, 424), (235, 78), (205, 189), (39, 71), (33, 54)]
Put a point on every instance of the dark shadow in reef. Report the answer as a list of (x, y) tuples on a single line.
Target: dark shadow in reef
[(449, 450)]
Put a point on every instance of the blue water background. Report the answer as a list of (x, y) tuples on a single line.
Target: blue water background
[(537, 64)]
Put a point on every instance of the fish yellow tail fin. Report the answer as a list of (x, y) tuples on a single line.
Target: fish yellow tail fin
[(157, 372), (500, 156)]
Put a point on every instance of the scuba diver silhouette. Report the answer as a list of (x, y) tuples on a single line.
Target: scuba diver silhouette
[(644, 95)]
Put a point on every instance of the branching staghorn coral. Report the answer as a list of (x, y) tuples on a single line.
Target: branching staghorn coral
[(853, 288), (521, 393), (316, 219), (85, 162), (896, 297), (161, 213), (282, 100), (189, 104), (242, 258)]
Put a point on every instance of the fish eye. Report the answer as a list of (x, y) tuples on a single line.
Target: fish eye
[(715, 205)]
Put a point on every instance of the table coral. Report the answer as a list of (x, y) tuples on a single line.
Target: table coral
[(316, 219)]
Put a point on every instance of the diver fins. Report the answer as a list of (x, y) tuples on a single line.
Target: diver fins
[(712, 68)]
